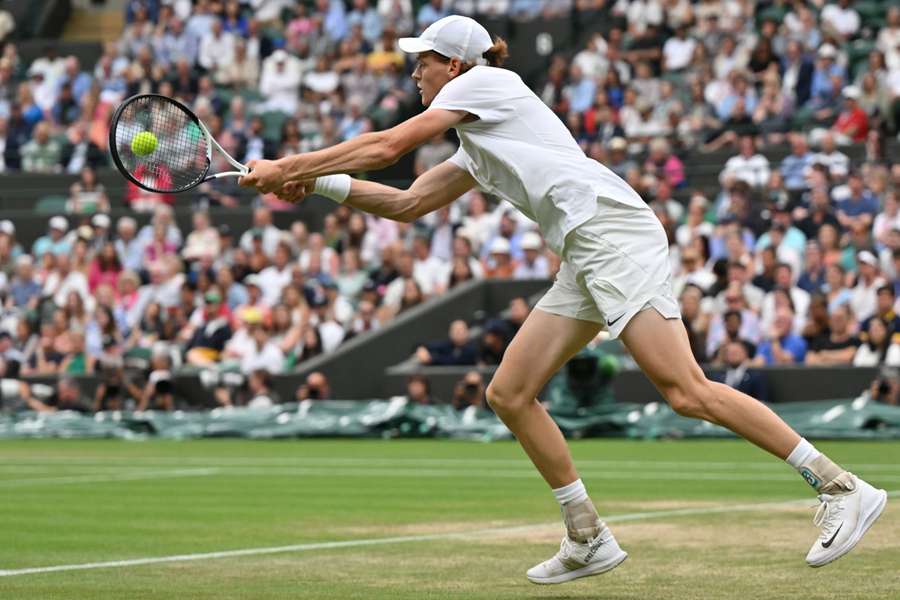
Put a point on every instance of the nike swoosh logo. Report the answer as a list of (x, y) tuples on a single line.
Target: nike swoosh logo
[(828, 543), (613, 322)]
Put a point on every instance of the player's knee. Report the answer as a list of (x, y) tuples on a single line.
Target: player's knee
[(505, 400), (693, 397)]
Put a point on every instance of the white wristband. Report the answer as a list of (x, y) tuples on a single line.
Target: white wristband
[(336, 187)]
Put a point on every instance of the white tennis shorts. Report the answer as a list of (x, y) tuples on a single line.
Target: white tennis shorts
[(614, 266)]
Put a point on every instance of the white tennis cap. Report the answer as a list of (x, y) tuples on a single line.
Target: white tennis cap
[(454, 37)]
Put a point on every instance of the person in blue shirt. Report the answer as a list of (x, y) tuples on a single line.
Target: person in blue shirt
[(822, 89), (367, 17), (781, 346), (859, 210), (429, 13), (55, 241), (794, 165)]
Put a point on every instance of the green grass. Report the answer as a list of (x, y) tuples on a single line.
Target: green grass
[(71, 502)]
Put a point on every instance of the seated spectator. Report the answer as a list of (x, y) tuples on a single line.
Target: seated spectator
[(210, 331), (316, 387), (534, 265), (693, 272), (839, 346), (24, 288), (493, 343), (748, 166), (418, 390), (468, 393), (885, 302), (780, 346), (739, 373), (518, 312), (159, 391), (859, 209), (42, 153), (55, 242), (66, 396), (696, 322), (457, 350), (794, 166), (80, 153), (499, 263), (836, 162), (730, 327), (875, 339), (695, 224), (864, 297), (784, 283)]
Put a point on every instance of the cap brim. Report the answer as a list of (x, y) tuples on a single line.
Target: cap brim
[(414, 45)]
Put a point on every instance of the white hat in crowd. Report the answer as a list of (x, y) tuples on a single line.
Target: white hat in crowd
[(867, 257), (59, 222), (531, 241), (500, 245), (852, 92), (101, 220), (7, 227)]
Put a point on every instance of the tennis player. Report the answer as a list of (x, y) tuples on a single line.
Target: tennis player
[(614, 274)]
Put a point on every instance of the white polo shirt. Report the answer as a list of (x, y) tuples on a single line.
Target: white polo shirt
[(520, 151)]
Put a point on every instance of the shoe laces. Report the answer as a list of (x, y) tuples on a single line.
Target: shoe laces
[(826, 515)]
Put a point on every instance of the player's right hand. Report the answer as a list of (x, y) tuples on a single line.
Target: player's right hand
[(296, 191)]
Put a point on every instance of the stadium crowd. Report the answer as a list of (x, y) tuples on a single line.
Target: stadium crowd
[(795, 260)]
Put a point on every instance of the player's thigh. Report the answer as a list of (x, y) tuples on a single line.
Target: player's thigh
[(661, 348), (543, 344)]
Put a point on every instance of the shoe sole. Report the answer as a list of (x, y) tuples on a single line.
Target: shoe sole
[(586, 571), (861, 530)]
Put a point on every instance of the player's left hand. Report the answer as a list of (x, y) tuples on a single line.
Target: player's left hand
[(266, 176), (295, 191)]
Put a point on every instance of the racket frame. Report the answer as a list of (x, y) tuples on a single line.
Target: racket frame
[(240, 171)]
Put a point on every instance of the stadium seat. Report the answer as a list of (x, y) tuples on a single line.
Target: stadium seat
[(51, 205)]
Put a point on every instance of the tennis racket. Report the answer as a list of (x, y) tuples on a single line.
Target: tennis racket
[(160, 145)]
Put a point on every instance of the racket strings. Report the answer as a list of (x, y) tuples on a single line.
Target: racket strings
[(180, 159)]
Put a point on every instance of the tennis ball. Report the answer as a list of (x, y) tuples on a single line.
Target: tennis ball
[(143, 143)]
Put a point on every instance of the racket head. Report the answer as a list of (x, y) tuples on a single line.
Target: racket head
[(181, 158)]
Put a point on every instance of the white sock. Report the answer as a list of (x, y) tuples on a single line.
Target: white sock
[(574, 492), (803, 454)]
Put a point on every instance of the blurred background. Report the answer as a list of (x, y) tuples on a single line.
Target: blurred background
[(762, 133)]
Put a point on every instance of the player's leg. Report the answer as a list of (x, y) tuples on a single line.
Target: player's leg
[(544, 343), (850, 505)]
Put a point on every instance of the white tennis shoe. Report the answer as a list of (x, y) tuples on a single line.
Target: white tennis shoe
[(846, 512), (598, 555)]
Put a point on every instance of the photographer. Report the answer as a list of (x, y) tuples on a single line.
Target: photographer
[(158, 393), (886, 387), (315, 388), (468, 391)]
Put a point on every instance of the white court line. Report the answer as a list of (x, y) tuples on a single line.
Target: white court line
[(524, 473), (639, 516), (105, 478), (462, 462)]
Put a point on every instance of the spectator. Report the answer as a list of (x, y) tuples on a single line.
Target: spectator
[(24, 289), (500, 264), (105, 268), (534, 265), (836, 162), (780, 346), (874, 339), (695, 321), (210, 332), (859, 209), (468, 393), (66, 396), (840, 20), (795, 165), (158, 393), (41, 154), (493, 343), (839, 346), (739, 373), (315, 388), (864, 297), (457, 350), (418, 390), (748, 166)]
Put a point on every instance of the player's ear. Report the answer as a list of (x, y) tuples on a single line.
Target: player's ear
[(454, 67)]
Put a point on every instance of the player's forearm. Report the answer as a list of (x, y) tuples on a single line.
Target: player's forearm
[(367, 152), (382, 200)]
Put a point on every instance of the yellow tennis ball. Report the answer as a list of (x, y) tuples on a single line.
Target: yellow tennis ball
[(143, 143)]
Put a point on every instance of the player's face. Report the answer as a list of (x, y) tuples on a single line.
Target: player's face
[(431, 74)]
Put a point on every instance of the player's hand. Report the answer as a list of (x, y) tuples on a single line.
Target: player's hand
[(296, 191), (266, 176)]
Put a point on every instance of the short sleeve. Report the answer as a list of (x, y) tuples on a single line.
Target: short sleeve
[(461, 159), (482, 92)]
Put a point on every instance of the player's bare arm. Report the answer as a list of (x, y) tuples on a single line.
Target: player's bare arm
[(367, 152), (437, 187)]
